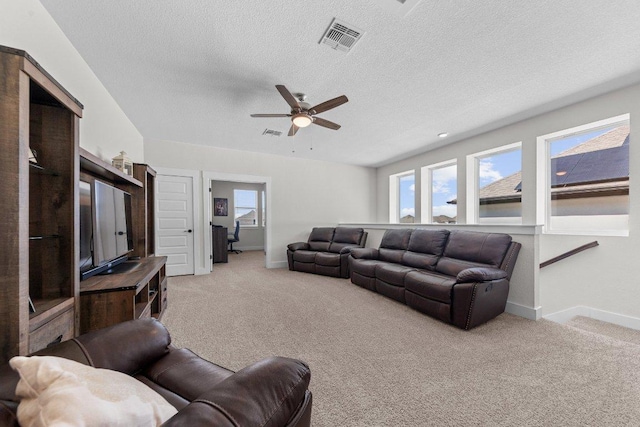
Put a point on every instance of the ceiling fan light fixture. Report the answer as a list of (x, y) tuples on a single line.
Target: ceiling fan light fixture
[(302, 120)]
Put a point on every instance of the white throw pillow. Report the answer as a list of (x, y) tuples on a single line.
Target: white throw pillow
[(60, 392)]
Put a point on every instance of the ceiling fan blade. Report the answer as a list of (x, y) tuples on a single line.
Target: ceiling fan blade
[(325, 123), (288, 97), (328, 105), (271, 115), (293, 129)]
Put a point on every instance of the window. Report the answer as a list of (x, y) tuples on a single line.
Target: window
[(495, 188), (402, 197), (264, 209), (440, 188), (246, 207), (583, 178)]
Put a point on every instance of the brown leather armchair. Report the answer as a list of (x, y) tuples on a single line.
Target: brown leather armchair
[(272, 392)]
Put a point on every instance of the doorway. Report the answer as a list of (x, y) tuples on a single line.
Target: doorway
[(255, 228)]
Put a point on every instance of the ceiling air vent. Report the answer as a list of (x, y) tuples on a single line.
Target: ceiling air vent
[(341, 36), (271, 132)]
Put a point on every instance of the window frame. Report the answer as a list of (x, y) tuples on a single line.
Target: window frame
[(394, 195), (543, 171), (426, 197), (473, 186), (236, 207)]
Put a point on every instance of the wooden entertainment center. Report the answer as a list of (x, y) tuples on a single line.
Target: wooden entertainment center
[(42, 300), (141, 290)]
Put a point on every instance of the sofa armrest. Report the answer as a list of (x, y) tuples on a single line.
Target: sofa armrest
[(480, 274), (364, 253), (298, 246), (267, 393), (347, 249), (126, 347)]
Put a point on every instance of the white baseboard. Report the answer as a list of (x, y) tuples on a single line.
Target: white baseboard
[(530, 313), (249, 248), (278, 264), (605, 316)]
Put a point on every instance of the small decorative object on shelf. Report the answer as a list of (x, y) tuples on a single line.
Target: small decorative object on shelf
[(123, 163), (33, 156)]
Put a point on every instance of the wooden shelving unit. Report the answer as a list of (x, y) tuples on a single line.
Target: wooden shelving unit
[(139, 292), (40, 207), (144, 211), (40, 230)]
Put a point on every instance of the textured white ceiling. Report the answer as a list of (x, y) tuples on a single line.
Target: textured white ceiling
[(193, 70)]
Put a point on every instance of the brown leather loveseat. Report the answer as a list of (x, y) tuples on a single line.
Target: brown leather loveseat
[(273, 392), (459, 277), (327, 251)]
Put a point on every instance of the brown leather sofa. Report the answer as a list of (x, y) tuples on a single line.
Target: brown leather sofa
[(272, 392), (459, 277), (327, 251)]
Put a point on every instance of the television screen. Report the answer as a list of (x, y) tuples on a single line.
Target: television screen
[(112, 237), (86, 227)]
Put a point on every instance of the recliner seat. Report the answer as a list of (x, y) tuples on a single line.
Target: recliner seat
[(326, 252), (205, 394), (459, 277)]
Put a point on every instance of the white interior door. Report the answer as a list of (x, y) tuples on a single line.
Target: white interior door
[(174, 213)]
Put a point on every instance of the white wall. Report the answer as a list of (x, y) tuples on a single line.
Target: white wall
[(602, 278), (304, 193), (104, 129), (251, 238)]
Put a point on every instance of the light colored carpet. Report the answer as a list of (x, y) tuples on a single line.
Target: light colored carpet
[(376, 362), (599, 329)]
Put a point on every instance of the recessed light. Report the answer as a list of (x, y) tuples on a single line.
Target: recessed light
[(443, 135)]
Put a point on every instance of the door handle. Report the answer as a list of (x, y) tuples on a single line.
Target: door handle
[(188, 231)]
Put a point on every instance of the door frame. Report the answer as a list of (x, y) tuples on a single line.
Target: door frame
[(207, 216), (198, 266)]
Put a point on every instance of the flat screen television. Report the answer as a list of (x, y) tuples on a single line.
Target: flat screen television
[(105, 228)]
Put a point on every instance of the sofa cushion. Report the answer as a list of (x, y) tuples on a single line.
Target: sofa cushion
[(482, 248), (396, 239), (467, 249), (57, 391), (392, 274), (304, 256), (391, 255), (327, 259), (365, 267), (430, 242), (320, 238), (348, 235), (430, 285), (424, 249), (185, 373)]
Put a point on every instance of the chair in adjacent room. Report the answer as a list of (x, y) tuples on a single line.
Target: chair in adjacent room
[(234, 238)]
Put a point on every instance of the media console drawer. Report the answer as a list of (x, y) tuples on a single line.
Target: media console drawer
[(58, 329)]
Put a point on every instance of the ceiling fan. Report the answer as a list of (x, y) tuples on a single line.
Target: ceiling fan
[(302, 114)]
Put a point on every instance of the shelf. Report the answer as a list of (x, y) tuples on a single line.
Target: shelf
[(97, 166), (34, 167), (140, 308), (47, 309)]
